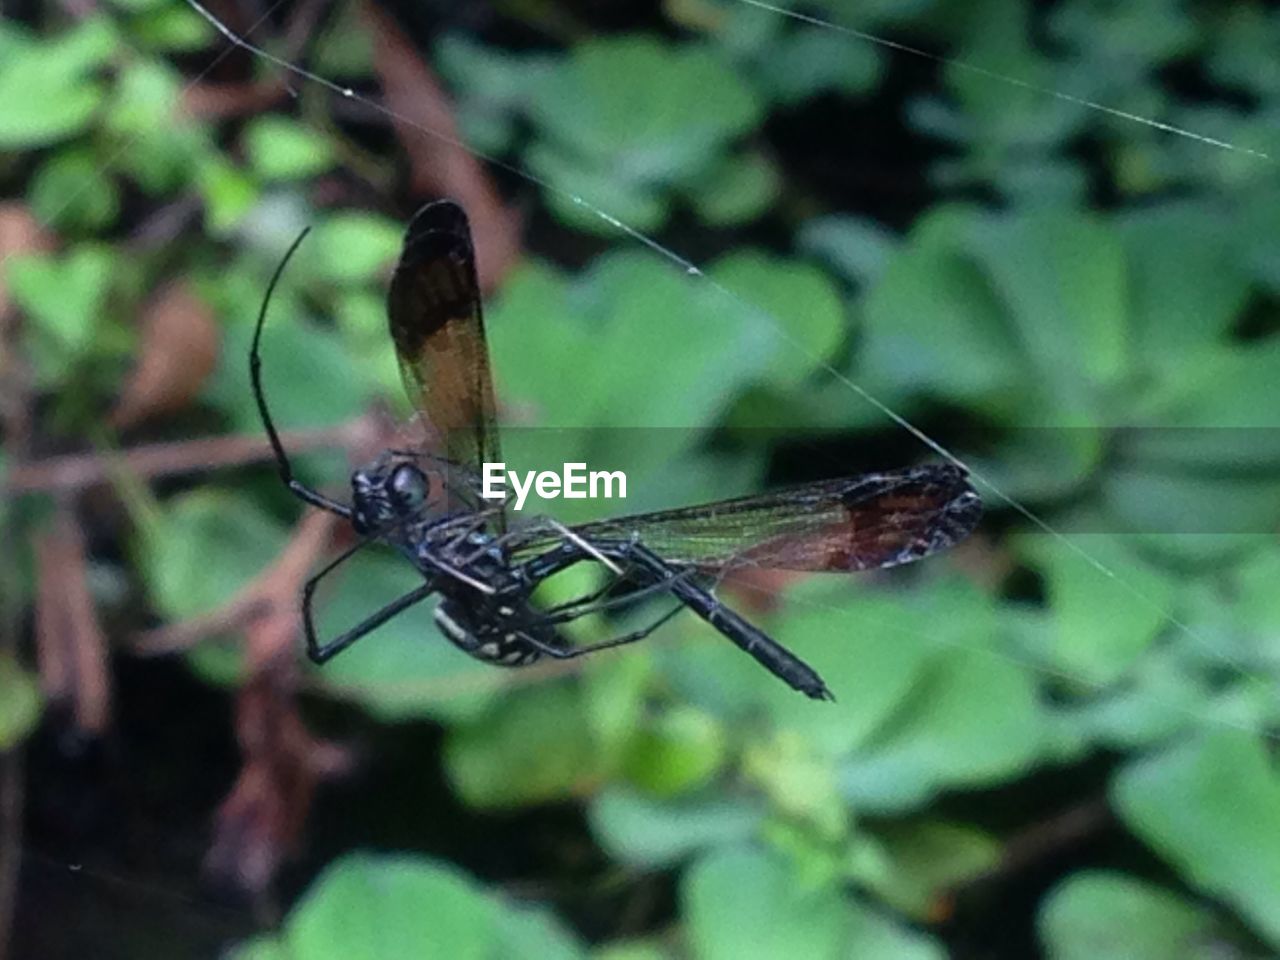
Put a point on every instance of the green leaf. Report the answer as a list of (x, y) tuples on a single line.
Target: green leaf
[(1219, 388), (1062, 279), (650, 833), (72, 192), (874, 652), (1159, 699), (923, 861), (66, 298), (810, 60), (361, 317), (137, 6), (306, 373), (282, 149), (973, 720), (857, 248), (638, 138), (60, 70), (20, 703), (1103, 623), (355, 247), (207, 546), (1102, 914), (873, 935), (616, 691), (1247, 50), (490, 87), (737, 189), (1256, 240), (680, 750), (933, 322), (367, 907), (1256, 601), (145, 89), (1188, 284), (1211, 807), (800, 783), (162, 157), (534, 932), (633, 308), (1039, 464), (742, 903), (171, 28), (1160, 500), (229, 195), (870, 649), (994, 120), (792, 308), (531, 747), (260, 948), (632, 950)]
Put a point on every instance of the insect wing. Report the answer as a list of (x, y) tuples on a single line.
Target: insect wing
[(861, 523), (438, 329)]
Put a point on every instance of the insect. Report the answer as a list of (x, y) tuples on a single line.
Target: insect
[(485, 574)]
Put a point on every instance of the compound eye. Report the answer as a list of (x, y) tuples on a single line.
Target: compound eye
[(409, 486)]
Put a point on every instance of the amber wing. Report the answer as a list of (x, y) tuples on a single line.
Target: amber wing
[(859, 523), (438, 330)]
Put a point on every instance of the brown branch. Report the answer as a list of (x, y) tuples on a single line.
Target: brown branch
[(266, 608), (80, 470), (218, 101), (1045, 838), (1057, 833), (417, 101), (261, 820)]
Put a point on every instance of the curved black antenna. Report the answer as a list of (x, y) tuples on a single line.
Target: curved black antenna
[(297, 487)]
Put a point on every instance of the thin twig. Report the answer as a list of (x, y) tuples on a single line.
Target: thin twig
[(270, 598), (80, 470), (1046, 838), (415, 99)]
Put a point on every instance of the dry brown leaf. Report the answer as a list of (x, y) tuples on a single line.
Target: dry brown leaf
[(177, 353), (71, 647), (260, 822)]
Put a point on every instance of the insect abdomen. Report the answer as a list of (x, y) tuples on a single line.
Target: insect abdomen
[(504, 649)]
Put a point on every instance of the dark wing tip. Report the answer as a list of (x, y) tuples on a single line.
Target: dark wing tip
[(959, 519), (959, 512), (439, 217), (421, 300), (938, 509)]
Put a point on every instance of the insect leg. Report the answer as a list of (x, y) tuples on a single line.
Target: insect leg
[(297, 487), (569, 653), (591, 603), (320, 653), (768, 652)]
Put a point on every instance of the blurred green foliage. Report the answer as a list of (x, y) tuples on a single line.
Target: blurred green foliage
[(1097, 295)]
